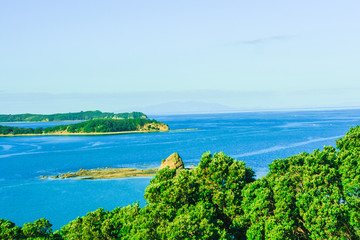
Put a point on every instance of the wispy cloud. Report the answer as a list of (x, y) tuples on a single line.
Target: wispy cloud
[(262, 40)]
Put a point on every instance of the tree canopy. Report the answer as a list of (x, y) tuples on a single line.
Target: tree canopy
[(82, 116)]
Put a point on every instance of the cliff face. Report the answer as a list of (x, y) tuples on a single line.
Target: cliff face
[(174, 161)]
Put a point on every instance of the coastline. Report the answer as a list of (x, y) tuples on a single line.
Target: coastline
[(93, 133), (174, 161), (104, 173)]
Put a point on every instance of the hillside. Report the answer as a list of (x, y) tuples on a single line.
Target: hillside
[(90, 127), (81, 116)]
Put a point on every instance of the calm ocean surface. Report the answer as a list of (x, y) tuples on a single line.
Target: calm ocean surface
[(255, 138)]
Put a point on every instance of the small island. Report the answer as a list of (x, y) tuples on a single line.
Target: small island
[(76, 116), (174, 161), (91, 127), (105, 173)]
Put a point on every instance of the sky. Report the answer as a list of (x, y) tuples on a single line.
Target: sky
[(62, 56)]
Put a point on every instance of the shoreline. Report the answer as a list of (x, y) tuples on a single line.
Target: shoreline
[(174, 161), (93, 134), (103, 173)]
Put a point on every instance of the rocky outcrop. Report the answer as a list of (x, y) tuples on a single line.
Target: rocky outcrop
[(174, 161), (154, 127)]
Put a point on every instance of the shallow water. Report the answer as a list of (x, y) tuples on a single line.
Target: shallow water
[(256, 138)]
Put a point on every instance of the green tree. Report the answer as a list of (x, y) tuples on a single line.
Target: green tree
[(212, 191), (38, 130), (41, 228), (8, 230), (349, 170)]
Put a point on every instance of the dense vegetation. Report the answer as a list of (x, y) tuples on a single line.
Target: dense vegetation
[(5, 130), (88, 115), (91, 126), (306, 196)]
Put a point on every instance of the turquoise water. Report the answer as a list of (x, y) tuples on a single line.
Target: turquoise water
[(256, 138)]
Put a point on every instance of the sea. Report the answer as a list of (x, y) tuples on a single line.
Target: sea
[(257, 138)]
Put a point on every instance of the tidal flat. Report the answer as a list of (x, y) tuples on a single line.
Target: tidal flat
[(104, 173)]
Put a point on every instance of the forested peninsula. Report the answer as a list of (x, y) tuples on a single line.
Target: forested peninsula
[(58, 117), (306, 196), (96, 126)]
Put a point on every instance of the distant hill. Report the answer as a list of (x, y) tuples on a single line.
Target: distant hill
[(88, 115), (187, 107)]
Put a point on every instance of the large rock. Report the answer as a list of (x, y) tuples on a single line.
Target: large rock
[(174, 161)]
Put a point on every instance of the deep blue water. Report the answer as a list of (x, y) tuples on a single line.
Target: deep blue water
[(256, 138)]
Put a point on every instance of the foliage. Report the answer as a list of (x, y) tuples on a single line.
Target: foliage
[(8, 230), (201, 203), (6, 130), (40, 229), (307, 196), (88, 115), (91, 126), (102, 125)]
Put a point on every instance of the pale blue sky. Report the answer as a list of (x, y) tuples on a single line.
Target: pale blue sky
[(247, 54)]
